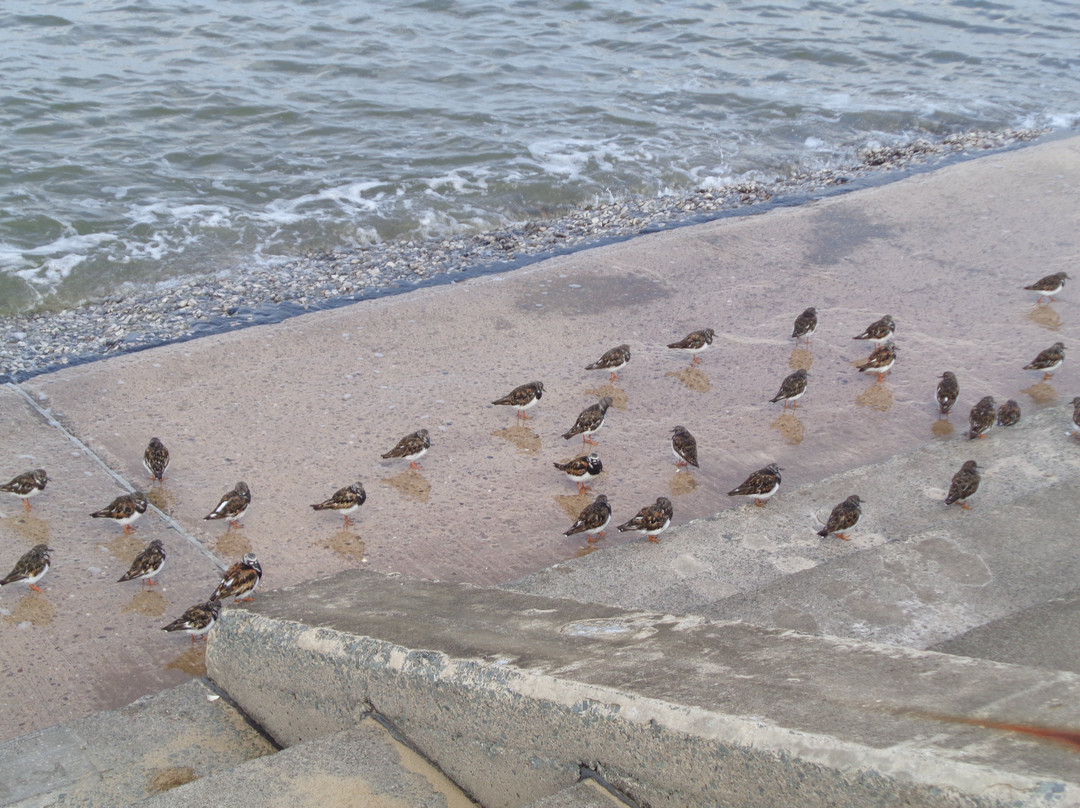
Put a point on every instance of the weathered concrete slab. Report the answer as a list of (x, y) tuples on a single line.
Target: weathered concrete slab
[(85, 643), (914, 572), (510, 694), (119, 757), (361, 767), (586, 794)]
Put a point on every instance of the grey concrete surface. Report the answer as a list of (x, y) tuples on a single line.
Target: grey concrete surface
[(586, 794), (361, 767), (510, 693), (914, 572), (117, 758)]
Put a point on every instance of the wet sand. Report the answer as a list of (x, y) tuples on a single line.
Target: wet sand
[(303, 407)]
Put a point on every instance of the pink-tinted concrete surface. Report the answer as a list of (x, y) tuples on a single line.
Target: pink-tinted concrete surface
[(304, 407)]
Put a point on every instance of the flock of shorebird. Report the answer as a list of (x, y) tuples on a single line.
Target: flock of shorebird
[(241, 579)]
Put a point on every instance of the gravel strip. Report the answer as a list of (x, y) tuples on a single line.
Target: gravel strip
[(35, 343)]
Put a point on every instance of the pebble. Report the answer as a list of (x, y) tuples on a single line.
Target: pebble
[(35, 342)]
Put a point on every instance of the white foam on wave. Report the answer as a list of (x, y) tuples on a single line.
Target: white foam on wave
[(570, 157)]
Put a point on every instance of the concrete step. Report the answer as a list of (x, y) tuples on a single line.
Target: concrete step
[(361, 767), (119, 757), (915, 572), (511, 694), (586, 794)]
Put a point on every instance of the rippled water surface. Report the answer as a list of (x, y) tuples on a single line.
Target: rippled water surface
[(146, 141)]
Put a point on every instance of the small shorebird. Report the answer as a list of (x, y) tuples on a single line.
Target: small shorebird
[(197, 620), (412, 447), (1048, 360), (1009, 413), (592, 520), (26, 485), (684, 447), (611, 361), (146, 565), (124, 510), (30, 568), (345, 501), (982, 417), (964, 483), (232, 506), (791, 389), (948, 390), (879, 331), (694, 343), (156, 459), (843, 517), (239, 579), (589, 421), (760, 485), (582, 469), (880, 361), (1049, 286), (522, 398), (805, 325), (652, 520)]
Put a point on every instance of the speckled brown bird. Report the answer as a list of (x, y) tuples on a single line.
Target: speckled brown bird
[(589, 421), (197, 620), (1008, 413), (879, 331), (412, 447), (805, 325), (880, 361), (684, 447), (948, 390), (30, 568), (592, 520), (760, 485), (612, 361), (843, 517), (147, 564), (964, 483), (124, 510), (232, 506), (1049, 286), (792, 389), (694, 343), (156, 459), (1049, 360), (982, 417), (239, 579), (345, 501), (26, 485), (651, 520), (582, 469), (522, 398)]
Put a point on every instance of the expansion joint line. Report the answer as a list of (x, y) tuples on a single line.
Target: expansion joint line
[(47, 416)]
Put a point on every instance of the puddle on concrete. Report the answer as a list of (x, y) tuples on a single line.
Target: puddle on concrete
[(692, 377), (877, 396), (682, 483), (586, 548), (33, 608), (1041, 393), (31, 528), (161, 498), (618, 397), (233, 543), (348, 544), (164, 779), (801, 359), (942, 428), (1046, 317), (411, 484), (522, 437), (573, 505), (192, 661), (147, 603), (124, 548), (592, 295), (790, 427)]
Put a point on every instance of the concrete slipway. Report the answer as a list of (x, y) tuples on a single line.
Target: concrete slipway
[(741, 661)]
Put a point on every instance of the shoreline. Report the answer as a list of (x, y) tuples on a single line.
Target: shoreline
[(35, 343)]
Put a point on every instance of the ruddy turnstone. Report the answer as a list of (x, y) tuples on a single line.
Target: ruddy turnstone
[(30, 568), (26, 485), (652, 520), (156, 459), (592, 520), (412, 447), (582, 469), (760, 485), (522, 398), (695, 342), (1049, 286), (791, 389), (843, 516), (239, 579), (612, 360), (982, 417), (805, 325), (948, 390), (124, 510), (879, 331), (198, 620), (684, 447), (232, 506), (147, 564), (880, 361), (589, 421), (1049, 360), (345, 501), (1076, 415), (1008, 413), (964, 483)]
